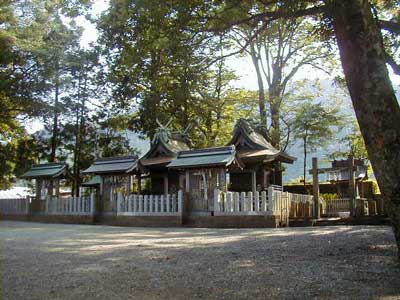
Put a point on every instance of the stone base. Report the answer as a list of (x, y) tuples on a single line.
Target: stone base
[(157, 221), (233, 221), (137, 221), (14, 217), (64, 219)]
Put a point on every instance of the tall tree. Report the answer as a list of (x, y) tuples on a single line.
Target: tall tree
[(160, 67), (316, 126), (278, 53), (60, 43), (358, 35)]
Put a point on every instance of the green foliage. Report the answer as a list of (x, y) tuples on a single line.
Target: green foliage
[(315, 125), (17, 156), (329, 196), (160, 68), (354, 143)]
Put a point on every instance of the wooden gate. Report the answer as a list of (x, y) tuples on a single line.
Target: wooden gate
[(202, 185)]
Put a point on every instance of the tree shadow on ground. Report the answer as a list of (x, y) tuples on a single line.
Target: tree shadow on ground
[(343, 262)]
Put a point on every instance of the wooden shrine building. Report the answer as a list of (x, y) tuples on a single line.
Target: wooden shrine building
[(47, 181), (263, 162), (116, 175), (164, 148)]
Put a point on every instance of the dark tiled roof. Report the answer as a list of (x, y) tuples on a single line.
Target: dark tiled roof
[(112, 165), (51, 170), (219, 156)]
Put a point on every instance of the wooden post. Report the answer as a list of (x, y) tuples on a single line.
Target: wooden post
[(165, 184), (129, 185), (180, 202), (217, 194), (254, 182), (186, 200), (317, 214), (57, 184), (139, 183), (352, 184), (119, 202), (92, 203)]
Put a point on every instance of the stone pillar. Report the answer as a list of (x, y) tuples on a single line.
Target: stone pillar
[(317, 214)]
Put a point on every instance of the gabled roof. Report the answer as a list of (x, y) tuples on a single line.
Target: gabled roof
[(51, 170), (168, 143), (252, 145), (164, 147), (112, 165), (210, 157)]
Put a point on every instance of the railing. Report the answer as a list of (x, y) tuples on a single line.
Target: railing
[(150, 205), (70, 205), (301, 206), (333, 207), (14, 206), (259, 203)]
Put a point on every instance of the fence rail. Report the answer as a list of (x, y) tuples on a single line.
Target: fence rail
[(18, 206), (333, 207), (70, 205), (150, 205)]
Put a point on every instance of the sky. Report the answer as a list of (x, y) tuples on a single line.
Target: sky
[(242, 66)]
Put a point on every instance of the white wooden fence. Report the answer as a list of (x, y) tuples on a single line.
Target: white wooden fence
[(70, 205), (14, 206), (150, 205), (271, 202), (247, 203)]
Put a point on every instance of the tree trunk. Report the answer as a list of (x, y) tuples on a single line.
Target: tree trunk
[(261, 91), (305, 161), (54, 137), (275, 131), (375, 104)]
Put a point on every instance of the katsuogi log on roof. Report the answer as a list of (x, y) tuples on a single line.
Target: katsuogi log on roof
[(210, 157), (113, 165), (164, 147), (46, 171), (253, 146)]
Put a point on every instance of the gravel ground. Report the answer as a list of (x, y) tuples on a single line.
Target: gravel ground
[(55, 261)]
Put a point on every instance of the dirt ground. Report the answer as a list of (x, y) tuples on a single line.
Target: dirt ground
[(54, 261)]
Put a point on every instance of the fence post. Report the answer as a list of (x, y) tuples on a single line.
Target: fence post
[(119, 202), (47, 205), (92, 203), (168, 203), (236, 200), (140, 203), (162, 203), (256, 201), (264, 201), (217, 195), (271, 205)]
